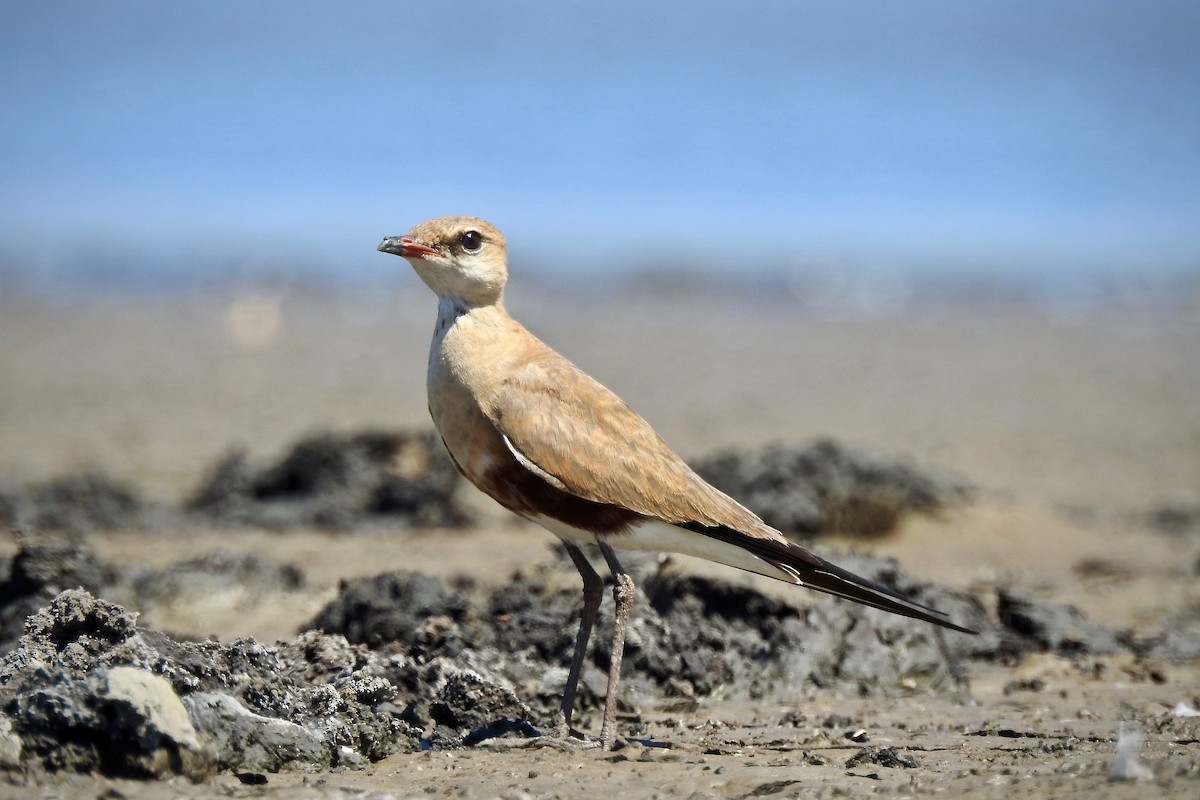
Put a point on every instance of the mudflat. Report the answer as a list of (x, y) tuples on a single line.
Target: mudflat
[(1079, 428)]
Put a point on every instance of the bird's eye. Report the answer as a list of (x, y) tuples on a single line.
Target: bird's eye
[(471, 241)]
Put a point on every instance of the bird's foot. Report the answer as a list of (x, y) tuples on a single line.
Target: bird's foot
[(560, 737), (575, 741)]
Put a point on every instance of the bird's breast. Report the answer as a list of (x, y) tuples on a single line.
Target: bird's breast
[(470, 437), (468, 361)]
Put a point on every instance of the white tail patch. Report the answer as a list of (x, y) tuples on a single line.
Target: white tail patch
[(659, 537)]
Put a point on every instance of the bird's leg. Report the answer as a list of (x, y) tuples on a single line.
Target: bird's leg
[(593, 590), (623, 595)]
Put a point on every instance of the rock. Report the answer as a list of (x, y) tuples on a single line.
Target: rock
[(54, 563), (476, 707), (47, 564), (528, 615), (10, 745), (770, 788), (688, 637), (120, 722), (725, 636), (1178, 514), (339, 481), (75, 503), (164, 732), (827, 486), (444, 670), (84, 663), (74, 632), (247, 741), (153, 698), (1178, 642), (1059, 628), (884, 757), (44, 566), (391, 608)]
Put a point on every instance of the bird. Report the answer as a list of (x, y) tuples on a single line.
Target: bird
[(554, 446)]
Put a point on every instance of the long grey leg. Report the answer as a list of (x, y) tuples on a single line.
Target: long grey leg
[(593, 591), (623, 595)]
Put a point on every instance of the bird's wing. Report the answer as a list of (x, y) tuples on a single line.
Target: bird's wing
[(569, 429)]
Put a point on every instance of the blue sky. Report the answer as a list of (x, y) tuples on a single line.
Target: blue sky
[(170, 137)]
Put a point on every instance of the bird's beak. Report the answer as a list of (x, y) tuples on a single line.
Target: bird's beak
[(406, 247)]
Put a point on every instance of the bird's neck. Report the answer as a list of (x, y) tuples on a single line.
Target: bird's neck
[(451, 308), (471, 343)]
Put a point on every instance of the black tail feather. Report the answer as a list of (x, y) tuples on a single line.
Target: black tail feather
[(816, 573)]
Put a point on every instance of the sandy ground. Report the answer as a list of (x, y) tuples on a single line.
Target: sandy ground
[(1076, 424), (1088, 408)]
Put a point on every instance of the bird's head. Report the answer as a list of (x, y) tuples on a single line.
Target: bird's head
[(462, 258)]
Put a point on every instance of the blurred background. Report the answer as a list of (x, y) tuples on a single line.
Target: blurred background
[(1053, 147), (969, 232)]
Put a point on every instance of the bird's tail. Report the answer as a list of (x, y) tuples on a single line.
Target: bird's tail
[(807, 569)]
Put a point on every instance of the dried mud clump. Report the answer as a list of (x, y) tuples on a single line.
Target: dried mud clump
[(690, 637), (391, 607), (1176, 515), (79, 503), (43, 567), (386, 477), (1054, 627), (339, 481), (828, 487), (47, 564), (882, 756), (1178, 642), (87, 690)]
